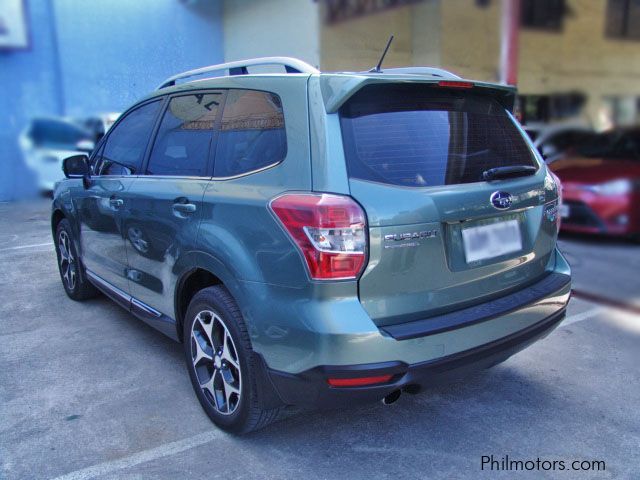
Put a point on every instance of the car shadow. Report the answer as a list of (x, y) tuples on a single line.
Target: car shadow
[(475, 400), (505, 410), (597, 239)]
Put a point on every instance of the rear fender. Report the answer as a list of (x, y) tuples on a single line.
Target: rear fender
[(192, 261)]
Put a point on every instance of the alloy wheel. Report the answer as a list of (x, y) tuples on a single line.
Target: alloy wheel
[(215, 361), (67, 260)]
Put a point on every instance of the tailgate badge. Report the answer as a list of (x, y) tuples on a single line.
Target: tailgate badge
[(406, 237), (501, 200)]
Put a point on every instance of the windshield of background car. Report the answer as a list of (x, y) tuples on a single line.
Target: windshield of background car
[(418, 136), (615, 144), (57, 134)]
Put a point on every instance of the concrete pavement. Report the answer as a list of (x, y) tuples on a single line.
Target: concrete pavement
[(88, 391)]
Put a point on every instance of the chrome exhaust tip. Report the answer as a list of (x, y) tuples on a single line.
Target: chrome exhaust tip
[(392, 397)]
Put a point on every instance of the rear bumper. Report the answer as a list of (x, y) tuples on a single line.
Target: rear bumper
[(310, 388), (330, 336)]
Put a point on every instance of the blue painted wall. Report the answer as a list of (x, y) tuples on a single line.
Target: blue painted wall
[(97, 56), (28, 86)]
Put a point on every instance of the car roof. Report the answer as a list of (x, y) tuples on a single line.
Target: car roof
[(336, 87)]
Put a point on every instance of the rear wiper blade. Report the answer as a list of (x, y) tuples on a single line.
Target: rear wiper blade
[(508, 172)]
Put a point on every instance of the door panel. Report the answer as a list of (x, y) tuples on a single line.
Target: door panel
[(102, 205), (162, 216), (164, 207), (100, 211)]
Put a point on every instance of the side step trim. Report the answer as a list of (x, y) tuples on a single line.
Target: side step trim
[(141, 310), (114, 293)]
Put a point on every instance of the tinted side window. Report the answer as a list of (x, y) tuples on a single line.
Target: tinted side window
[(124, 149), (182, 144), (95, 159), (252, 133)]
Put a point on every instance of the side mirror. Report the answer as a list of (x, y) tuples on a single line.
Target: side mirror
[(77, 167)]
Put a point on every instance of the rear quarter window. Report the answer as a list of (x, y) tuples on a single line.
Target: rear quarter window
[(419, 136), (252, 133)]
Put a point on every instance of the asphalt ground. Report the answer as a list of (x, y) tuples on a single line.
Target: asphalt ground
[(88, 391)]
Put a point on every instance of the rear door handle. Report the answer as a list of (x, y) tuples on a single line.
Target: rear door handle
[(182, 205)]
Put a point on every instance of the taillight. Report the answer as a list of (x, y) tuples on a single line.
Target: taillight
[(329, 230)]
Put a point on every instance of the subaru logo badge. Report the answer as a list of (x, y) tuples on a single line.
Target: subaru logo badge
[(501, 200)]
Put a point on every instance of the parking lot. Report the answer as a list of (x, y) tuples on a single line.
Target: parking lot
[(88, 391)]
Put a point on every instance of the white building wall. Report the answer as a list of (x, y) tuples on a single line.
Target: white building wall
[(260, 28)]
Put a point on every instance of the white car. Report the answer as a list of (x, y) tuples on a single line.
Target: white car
[(46, 142), (98, 124)]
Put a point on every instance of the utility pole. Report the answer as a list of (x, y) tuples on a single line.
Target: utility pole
[(509, 29)]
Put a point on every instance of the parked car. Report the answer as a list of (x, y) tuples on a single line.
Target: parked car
[(602, 185), (46, 142), (98, 125), (556, 142), (319, 239)]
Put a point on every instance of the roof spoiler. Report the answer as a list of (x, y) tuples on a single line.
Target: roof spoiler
[(338, 88)]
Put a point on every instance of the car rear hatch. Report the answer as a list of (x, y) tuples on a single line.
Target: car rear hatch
[(442, 237)]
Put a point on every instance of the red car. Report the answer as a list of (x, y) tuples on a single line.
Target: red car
[(601, 185)]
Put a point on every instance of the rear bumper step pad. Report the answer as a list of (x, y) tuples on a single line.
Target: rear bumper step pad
[(549, 285)]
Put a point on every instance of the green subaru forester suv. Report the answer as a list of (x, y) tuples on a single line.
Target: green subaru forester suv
[(318, 239)]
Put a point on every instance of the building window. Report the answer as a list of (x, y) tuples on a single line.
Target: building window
[(542, 14), (620, 110), (550, 108), (623, 19), (335, 11)]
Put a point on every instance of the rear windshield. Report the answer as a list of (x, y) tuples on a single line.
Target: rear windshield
[(419, 136)]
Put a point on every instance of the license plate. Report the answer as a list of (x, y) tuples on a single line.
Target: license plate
[(564, 211), (490, 241)]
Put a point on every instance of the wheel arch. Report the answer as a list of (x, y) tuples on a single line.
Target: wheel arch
[(56, 217), (199, 270)]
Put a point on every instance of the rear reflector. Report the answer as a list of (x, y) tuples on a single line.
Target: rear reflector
[(455, 84), (560, 195), (358, 382)]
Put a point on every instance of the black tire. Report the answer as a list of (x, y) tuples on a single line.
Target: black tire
[(79, 288), (248, 414)]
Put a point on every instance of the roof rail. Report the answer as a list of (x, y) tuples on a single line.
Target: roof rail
[(291, 65)]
